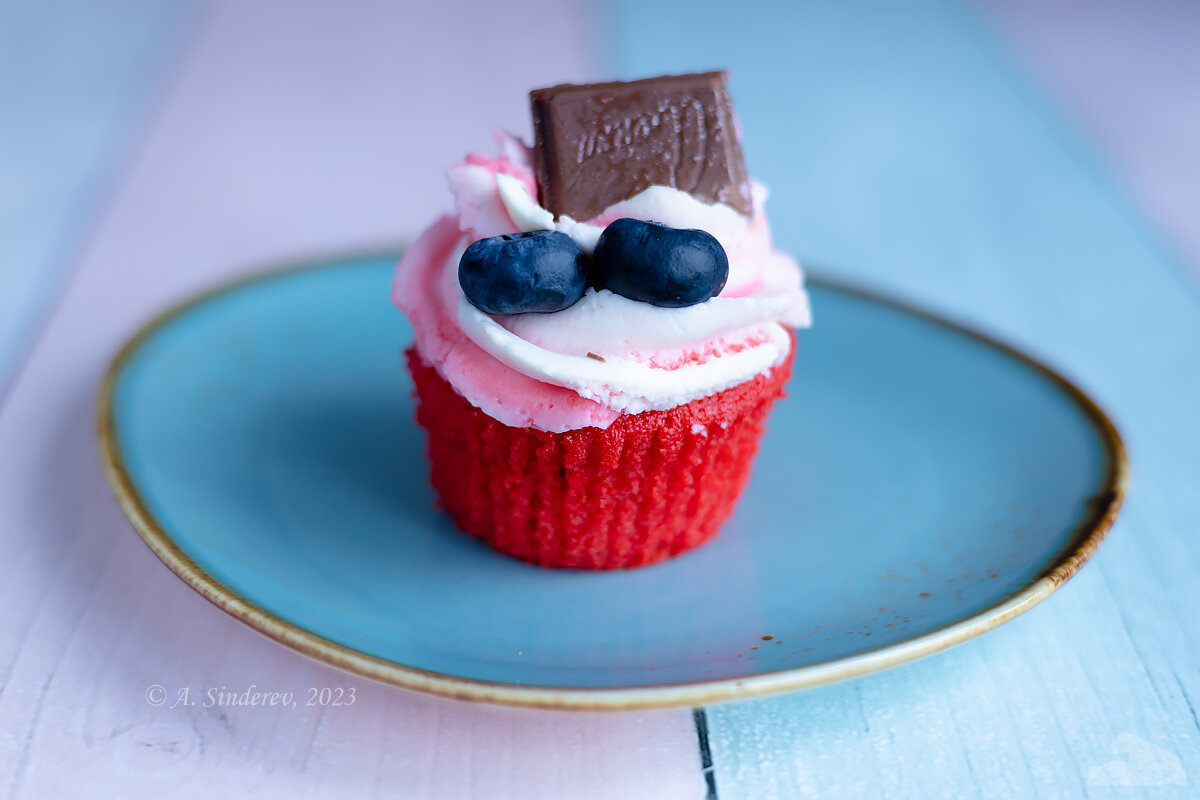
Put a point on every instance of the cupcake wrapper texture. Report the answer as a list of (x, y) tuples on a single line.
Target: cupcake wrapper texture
[(648, 487)]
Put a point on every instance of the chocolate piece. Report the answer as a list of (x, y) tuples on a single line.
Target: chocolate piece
[(600, 143)]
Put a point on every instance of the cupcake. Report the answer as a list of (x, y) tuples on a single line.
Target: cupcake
[(601, 327)]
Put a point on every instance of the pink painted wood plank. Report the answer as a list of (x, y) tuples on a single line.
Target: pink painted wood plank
[(295, 129)]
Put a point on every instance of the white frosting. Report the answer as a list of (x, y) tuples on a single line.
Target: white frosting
[(624, 355), (608, 324), (741, 337), (624, 384), (664, 204)]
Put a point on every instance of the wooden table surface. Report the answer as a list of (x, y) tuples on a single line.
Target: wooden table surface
[(1029, 167)]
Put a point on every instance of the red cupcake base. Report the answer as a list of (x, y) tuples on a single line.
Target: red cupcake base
[(648, 487)]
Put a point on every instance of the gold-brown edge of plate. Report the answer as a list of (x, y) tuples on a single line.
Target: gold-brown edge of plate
[(1088, 535)]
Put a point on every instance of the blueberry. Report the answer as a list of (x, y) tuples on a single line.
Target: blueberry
[(650, 262), (518, 272)]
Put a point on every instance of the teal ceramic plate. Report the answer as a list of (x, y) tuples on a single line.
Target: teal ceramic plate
[(919, 486)]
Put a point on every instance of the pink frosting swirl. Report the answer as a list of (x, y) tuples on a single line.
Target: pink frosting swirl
[(542, 370)]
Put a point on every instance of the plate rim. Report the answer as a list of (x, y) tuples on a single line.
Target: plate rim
[(1085, 539)]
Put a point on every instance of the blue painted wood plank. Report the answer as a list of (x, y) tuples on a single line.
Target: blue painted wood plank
[(906, 150), (76, 84)]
